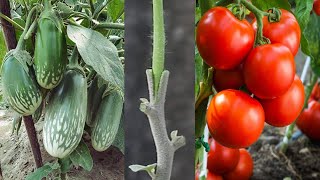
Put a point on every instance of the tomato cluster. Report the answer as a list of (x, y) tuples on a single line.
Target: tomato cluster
[(309, 120), (227, 163), (316, 7), (236, 118)]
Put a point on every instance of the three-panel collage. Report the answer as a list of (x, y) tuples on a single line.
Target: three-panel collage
[(160, 90)]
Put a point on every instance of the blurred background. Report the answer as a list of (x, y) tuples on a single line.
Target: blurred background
[(179, 21)]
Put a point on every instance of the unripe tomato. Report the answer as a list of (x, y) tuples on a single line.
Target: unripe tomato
[(243, 170), (286, 31), (222, 39), (276, 110), (222, 159), (316, 7), (210, 176), (309, 121), (228, 79), (269, 70), (235, 119)]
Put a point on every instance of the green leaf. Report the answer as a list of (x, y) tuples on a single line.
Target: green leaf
[(16, 124), (198, 68), (119, 140), (43, 172), (3, 47), (65, 164), (267, 4), (98, 52), (81, 157), (115, 9), (149, 168), (66, 10)]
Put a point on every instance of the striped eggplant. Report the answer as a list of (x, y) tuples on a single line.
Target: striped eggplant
[(107, 121), (19, 85), (50, 58), (65, 114)]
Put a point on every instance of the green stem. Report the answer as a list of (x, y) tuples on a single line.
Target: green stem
[(259, 15), (47, 4), (91, 5), (11, 21), (110, 26), (205, 5), (74, 57), (158, 43), (21, 41), (31, 30)]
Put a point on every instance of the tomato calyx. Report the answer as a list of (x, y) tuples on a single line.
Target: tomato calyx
[(274, 15), (238, 10), (200, 142)]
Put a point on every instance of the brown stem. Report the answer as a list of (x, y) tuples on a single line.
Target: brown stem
[(32, 134), (8, 29)]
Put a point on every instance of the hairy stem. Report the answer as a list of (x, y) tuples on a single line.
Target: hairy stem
[(110, 26), (158, 43), (155, 112)]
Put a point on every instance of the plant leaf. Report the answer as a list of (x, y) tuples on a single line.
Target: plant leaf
[(81, 157), (65, 164), (199, 74), (267, 4), (42, 172), (115, 9), (98, 52)]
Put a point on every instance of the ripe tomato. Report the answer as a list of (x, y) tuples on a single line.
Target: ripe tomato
[(269, 70), (223, 40), (286, 31), (315, 94), (276, 110), (243, 170), (309, 121), (316, 7), (210, 176), (234, 119), (228, 79), (222, 159)]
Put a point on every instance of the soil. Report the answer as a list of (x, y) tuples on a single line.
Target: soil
[(300, 162), (17, 159)]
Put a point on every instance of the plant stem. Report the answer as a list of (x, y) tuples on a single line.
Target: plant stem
[(47, 4), (74, 57), (11, 21), (289, 130), (110, 26), (158, 43), (6, 23), (26, 28), (203, 172), (259, 15), (155, 112)]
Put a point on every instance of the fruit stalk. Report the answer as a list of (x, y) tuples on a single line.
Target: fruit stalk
[(11, 42), (203, 172)]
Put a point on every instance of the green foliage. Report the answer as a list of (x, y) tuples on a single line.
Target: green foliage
[(81, 157), (267, 4), (65, 164), (3, 48), (198, 69), (98, 52), (115, 9), (43, 172)]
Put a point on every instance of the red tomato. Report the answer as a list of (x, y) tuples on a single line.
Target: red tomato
[(309, 121), (269, 70), (315, 94), (316, 7), (222, 159), (228, 79), (223, 40), (234, 119), (276, 110), (244, 169), (286, 31), (210, 176)]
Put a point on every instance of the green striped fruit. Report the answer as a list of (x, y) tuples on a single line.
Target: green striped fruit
[(50, 57), (65, 114), (107, 121), (19, 85)]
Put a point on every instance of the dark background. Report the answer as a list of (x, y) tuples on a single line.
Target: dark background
[(179, 22)]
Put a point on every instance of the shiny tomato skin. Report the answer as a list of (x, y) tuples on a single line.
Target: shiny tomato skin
[(316, 7), (222, 159), (210, 176), (223, 41), (309, 121), (269, 70), (228, 79), (284, 110), (286, 32), (243, 170), (235, 119)]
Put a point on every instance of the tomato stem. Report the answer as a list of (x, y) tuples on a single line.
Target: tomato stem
[(158, 43)]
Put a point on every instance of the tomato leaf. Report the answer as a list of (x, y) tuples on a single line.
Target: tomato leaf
[(199, 74), (267, 4), (98, 52), (81, 157)]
